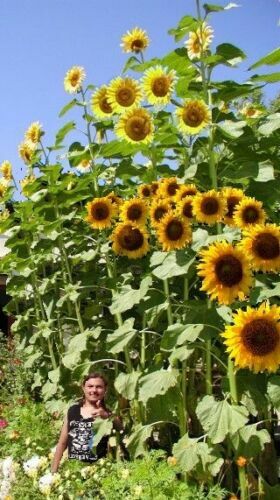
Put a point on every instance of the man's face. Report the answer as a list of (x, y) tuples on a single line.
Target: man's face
[(94, 389)]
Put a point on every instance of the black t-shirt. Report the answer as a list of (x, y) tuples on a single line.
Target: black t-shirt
[(81, 438)]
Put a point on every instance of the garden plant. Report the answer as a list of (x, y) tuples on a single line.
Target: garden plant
[(147, 247)]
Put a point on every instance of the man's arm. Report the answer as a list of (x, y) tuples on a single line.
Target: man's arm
[(60, 447)]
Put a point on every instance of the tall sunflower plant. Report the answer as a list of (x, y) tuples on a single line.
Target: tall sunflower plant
[(148, 248)]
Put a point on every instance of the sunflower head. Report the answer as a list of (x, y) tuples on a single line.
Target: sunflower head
[(185, 190), (135, 41), (158, 85), (100, 105), (134, 210), (225, 272), (73, 79), (262, 245), (248, 213), (184, 207), (251, 111), (135, 126), (130, 240), (124, 94), (173, 232), (254, 338), (158, 210), (199, 41), (232, 196), (26, 151), (168, 187), (193, 116), (29, 179), (4, 184), (34, 133), (144, 191), (115, 199), (6, 170), (100, 213), (209, 207)]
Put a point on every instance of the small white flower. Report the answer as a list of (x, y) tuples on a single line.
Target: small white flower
[(125, 473), (46, 482), (32, 465), (137, 491)]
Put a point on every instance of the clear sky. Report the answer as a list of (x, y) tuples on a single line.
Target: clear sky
[(41, 39)]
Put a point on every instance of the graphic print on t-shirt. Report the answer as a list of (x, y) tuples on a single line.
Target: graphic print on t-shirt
[(80, 436)]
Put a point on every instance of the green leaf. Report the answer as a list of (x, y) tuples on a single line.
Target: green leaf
[(271, 492), (130, 63), (269, 78), (232, 129), (209, 7), (171, 264), (179, 334), (67, 107), (272, 124), (121, 337), (48, 390), (270, 59), (180, 354), (186, 24), (76, 346), (190, 452), (101, 428), (178, 60), (266, 172), (220, 418), (61, 134), (136, 443), (127, 297), (230, 54), (156, 383), (273, 390), (126, 383), (250, 441)]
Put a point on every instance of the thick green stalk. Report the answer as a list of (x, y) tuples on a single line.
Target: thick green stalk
[(232, 382), (244, 493), (167, 295)]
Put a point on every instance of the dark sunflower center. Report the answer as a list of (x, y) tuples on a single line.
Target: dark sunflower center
[(174, 230), (131, 238), (105, 106), (193, 116), (137, 128), (172, 188), (160, 86), (250, 214), (100, 211), (74, 79), (228, 270), (159, 213), (260, 336), (232, 201), (209, 205), (134, 212), (187, 209), (146, 192), (188, 192), (266, 246), (125, 97), (137, 45), (154, 187)]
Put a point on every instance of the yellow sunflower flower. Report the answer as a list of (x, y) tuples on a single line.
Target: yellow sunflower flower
[(84, 166), (158, 85), (158, 210), (124, 94), (248, 213), (144, 190), (262, 245), (185, 190), (100, 213), (173, 232), (135, 126), (3, 187), (154, 188), (135, 40), (251, 111), (73, 79), (193, 116), (26, 151), (115, 199), (6, 170), (199, 41), (130, 240), (225, 272), (233, 196), (26, 181), (209, 207), (184, 208), (168, 187), (4, 215), (253, 341), (134, 210), (100, 105), (33, 133)]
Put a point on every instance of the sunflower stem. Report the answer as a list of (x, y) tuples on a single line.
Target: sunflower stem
[(167, 295), (244, 494), (208, 363), (232, 382)]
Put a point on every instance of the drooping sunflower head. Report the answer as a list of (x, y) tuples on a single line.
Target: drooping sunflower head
[(251, 111), (124, 94), (209, 207), (185, 190), (6, 170), (100, 213), (135, 40), (253, 341), (144, 190), (26, 151), (34, 133), (29, 179), (73, 79), (158, 85), (135, 126), (184, 207), (173, 232), (158, 210), (262, 245), (193, 116), (199, 41), (248, 213), (84, 166), (134, 210), (168, 187), (100, 105), (233, 196), (225, 272), (130, 240)]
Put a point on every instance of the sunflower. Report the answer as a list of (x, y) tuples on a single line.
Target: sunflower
[(168, 187), (251, 111), (100, 213), (185, 190), (248, 213), (29, 179), (154, 187), (6, 170), (100, 105), (158, 210), (34, 133), (225, 271), (262, 245), (135, 126), (73, 79), (193, 116), (144, 190), (209, 207), (199, 41), (232, 196), (254, 338), (3, 187), (124, 94), (115, 199), (173, 232), (135, 40), (84, 166), (158, 85), (134, 210), (4, 215), (26, 151), (130, 240), (184, 207)]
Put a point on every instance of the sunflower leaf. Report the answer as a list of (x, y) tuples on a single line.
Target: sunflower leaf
[(270, 59), (156, 383), (189, 452)]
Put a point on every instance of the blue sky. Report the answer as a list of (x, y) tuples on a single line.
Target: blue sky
[(40, 40)]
